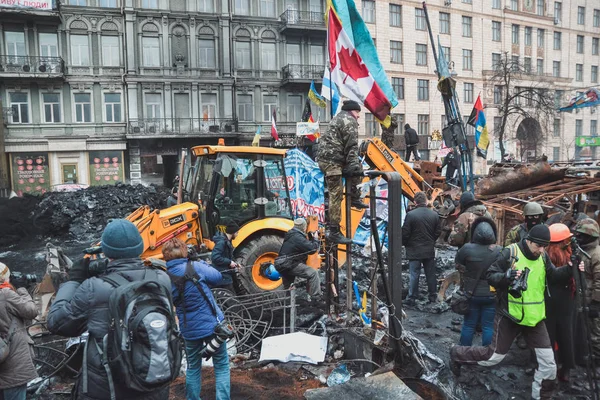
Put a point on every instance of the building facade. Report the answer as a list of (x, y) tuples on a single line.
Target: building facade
[(97, 91)]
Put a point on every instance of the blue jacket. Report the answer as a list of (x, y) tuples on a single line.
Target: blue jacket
[(221, 257), (199, 321)]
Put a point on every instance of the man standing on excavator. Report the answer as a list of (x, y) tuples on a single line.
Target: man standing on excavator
[(338, 155)]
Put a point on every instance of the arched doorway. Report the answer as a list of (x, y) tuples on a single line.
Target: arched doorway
[(530, 137)]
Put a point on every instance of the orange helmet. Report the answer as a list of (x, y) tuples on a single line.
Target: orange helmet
[(559, 232)]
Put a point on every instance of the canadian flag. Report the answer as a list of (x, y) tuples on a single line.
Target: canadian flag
[(350, 73), (273, 126)]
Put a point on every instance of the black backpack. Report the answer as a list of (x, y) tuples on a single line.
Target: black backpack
[(143, 348)]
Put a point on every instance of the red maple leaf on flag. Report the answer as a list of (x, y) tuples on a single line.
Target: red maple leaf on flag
[(352, 65)]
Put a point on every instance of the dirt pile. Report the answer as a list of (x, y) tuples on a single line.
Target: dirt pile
[(79, 215)]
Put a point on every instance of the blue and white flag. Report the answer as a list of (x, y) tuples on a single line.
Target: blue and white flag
[(330, 91)]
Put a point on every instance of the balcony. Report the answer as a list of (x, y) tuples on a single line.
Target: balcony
[(31, 67), (302, 73), (159, 127), (294, 20)]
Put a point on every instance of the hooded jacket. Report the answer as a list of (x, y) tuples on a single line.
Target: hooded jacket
[(84, 307), (420, 231), (18, 368), (475, 258), (295, 249), (199, 320), (411, 137), (592, 270), (221, 256), (461, 231)]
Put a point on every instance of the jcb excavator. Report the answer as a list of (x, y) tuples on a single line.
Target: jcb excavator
[(249, 186)]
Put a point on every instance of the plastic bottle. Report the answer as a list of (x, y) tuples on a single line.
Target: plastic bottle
[(338, 376)]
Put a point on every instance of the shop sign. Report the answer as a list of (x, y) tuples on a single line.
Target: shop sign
[(106, 167), (30, 173), (584, 141)]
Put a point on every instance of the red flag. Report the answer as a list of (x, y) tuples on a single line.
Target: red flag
[(475, 112), (273, 126)]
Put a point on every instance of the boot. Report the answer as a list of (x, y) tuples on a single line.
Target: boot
[(454, 365), (359, 204), (336, 237)]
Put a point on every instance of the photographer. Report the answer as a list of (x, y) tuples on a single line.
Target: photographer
[(197, 318), (519, 276), (16, 306)]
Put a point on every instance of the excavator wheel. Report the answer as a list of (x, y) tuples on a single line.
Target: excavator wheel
[(250, 256)]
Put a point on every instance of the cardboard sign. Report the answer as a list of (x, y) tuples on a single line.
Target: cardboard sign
[(307, 128)]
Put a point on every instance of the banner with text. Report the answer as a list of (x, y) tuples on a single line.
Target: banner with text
[(106, 167), (30, 173), (31, 4)]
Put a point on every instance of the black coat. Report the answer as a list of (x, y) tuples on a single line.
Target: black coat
[(411, 137), (452, 163), (475, 258), (295, 249), (420, 231), (84, 307), (221, 256)]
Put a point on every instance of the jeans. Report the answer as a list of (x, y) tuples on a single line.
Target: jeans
[(15, 393), (193, 380), (411, 149), (481, 310), (415, 271)]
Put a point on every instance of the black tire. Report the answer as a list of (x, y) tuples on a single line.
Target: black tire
[(248, 254)]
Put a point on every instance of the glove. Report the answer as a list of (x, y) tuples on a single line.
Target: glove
[(511, 275), (353, 170), (594, 309), (79, 272)]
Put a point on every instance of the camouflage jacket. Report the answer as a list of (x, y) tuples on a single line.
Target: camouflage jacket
[(515, 235), (592, 271), (339, 145), (461, 231), (388, 134)]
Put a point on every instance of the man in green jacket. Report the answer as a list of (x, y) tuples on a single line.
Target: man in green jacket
[(520, 310)]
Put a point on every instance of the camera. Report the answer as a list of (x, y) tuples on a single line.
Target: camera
[(520, 284), (223, 332), (19, 280), (97, 262)]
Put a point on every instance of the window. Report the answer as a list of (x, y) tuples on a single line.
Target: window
[(496, 31), (446, 51), (594, 127), (315, 6), (422, 90), (579, 44), (514, 63), (444, 23), (497, 94), (594, 77), (528, 36), (78, 2), (368, 11), (112, 107), (398, 87), (580, 15), (467, 60), (421, 54), (467, 1), (557, 40), (400, 120), (107, 3), (267, 8), (206, 6), (48, 45), (496, 60), (269, 57), (595, 46), (468, 95), (578, 127), (206, 54), (556, 69), (467, 26), (51, 103), (556, 128), (556, 154), (245, 107), (540, 7), (371, 126), (83, 107), (579, 72), (396, 52), (153, 105), (242, 55), (558, 96), (514, 5), (541, 33), (150, 52), (80, 51), (496, 4), (293, 53), (110, 51), (269, 104), (515, 34), (316, 54), (152, 4), (19, 105), (540, 66), (527, 65), (423, 124), (294, 108), (419, 19), (395, 15), (242, 7), (209, 106), (557, 11), (596, 18)]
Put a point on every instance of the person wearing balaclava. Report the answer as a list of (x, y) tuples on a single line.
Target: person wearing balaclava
[(534, 215)]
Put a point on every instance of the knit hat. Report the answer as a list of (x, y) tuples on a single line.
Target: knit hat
[(232, 227), (350, 105), (539, 234), (300, 224), (121, 239), (465, 199), (4, 272)]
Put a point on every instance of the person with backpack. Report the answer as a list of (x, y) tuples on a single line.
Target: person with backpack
[(16, 356), (199, 316), (133, 350)]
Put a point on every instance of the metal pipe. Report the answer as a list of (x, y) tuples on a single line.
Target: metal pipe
[(348, 198)]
